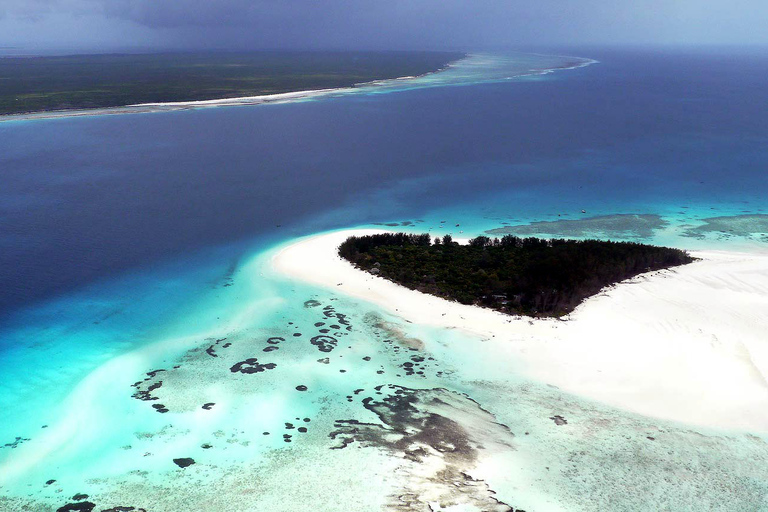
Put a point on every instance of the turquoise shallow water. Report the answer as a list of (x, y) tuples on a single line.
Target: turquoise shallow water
[(120, 449), (139, 243)]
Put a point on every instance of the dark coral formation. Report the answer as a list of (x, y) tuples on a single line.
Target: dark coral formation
[(87, 506), (559, 420), (211, 351), (324, 343), (184, 462), (83, 506), (19, 440), (251, 365), (417, 426), (146, 394)]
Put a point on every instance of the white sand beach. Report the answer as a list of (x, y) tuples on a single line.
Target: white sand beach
[(240, 101), (688, 344), (469, 69), (246, 100)]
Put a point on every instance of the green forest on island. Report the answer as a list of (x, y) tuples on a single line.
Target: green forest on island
[(526, 276), (35, 84)]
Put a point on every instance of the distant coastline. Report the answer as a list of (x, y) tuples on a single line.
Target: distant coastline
[(147, 108), (292, 78), (280, 97)]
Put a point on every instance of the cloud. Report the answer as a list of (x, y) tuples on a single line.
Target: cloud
[(183, 13), (414, 23)]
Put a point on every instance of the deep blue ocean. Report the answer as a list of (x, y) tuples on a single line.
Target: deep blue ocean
[(84, 199), (113, 227)]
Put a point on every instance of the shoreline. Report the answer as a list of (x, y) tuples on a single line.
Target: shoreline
[(148, 108), (684, 345)]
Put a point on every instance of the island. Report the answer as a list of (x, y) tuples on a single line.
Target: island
[(519, 276), (77, 82)]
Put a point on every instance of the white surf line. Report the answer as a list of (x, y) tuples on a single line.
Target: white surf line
[(148, 108), (688, 344)]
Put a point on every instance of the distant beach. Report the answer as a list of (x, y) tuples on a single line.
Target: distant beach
[(436, 78)]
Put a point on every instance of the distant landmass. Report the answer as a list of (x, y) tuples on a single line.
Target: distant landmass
[(527, 276), (40, 84)]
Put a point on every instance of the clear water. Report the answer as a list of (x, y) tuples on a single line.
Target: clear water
[(132, 243)]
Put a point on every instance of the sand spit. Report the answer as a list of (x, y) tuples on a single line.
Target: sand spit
[(686, 345)]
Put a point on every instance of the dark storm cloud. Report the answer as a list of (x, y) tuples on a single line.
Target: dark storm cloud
[(182, 13), (399, 23)]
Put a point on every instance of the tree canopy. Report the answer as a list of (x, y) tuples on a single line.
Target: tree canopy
[(527, 276)]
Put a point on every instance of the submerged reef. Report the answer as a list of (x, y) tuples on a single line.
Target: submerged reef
[(407, 412), (632, 225), (439, 435), (752, 226)]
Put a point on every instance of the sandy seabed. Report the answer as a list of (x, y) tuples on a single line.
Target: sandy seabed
[(341, 391)]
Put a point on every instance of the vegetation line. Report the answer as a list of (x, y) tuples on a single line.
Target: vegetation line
[(521, 276), (78, 82)]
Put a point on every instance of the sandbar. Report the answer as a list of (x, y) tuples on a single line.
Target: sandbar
[(688, 344)]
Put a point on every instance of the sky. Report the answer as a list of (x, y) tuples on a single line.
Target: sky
[(94, 25)]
